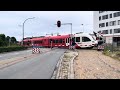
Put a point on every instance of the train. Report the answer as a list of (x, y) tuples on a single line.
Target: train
[(82, 40)]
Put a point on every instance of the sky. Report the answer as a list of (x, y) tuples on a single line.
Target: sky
[(11, 23)]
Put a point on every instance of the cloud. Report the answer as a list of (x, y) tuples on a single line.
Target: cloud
[(44, 22)]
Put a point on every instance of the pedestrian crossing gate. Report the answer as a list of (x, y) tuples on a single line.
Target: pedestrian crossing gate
[(35, 49)]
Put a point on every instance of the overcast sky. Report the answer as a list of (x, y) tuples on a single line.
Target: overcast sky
[(43, 23)]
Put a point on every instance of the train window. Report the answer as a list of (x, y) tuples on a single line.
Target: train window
[(77, 39), (56, 41), (85, 39), (63, 41), (60, 41)]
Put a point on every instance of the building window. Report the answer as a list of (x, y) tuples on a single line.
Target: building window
[(102, 25), (118, 22), (117, 14), (110, 15), (104, 17), (99, 25), (85, 39), (106, 24), (110, 31), (105, 31), (101, 11), (112, 23), (99, 18), (117, 30)]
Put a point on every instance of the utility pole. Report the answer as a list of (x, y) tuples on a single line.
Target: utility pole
[(71, 31)]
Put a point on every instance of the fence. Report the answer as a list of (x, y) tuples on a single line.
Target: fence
[(112, 47)]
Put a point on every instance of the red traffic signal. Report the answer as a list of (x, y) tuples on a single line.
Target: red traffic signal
[(58, 23)]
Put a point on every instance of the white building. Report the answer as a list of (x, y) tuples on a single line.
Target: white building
[(108, 23)]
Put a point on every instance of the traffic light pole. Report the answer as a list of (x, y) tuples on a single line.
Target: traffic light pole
[(71, 31)]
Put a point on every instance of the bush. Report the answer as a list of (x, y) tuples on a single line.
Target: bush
[(12, 48)]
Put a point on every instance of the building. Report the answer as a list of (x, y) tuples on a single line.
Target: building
[(108, 23)]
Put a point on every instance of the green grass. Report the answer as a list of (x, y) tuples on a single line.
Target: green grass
[(115, 54), (12, 48)]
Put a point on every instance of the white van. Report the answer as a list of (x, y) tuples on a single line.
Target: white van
[(84, 40)]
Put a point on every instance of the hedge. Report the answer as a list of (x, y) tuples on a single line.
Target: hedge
[(12, 48)]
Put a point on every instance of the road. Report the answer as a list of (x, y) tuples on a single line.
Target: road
[(13, 54), (40, 66)]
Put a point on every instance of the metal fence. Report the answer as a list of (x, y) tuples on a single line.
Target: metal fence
[(112, 47)]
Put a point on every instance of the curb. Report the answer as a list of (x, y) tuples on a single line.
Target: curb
[(71, 74), (57, 69), (58, 66)]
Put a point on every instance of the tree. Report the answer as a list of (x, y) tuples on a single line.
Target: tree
[(2, 37), (2, 40), (7, 39), (13, 40)]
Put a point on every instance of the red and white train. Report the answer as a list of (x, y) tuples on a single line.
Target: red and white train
[(82, 40)]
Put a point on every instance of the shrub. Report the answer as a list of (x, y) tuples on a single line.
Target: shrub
[(12, 48)]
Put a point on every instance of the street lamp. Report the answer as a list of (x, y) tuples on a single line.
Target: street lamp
[(83, 27), (23, 27)]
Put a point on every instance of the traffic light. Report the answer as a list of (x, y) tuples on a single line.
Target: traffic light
[(58, 23)]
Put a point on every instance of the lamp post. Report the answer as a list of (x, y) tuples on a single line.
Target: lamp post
[(23, 27), (83, 27)]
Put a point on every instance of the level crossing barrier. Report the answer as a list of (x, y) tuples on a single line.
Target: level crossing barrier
[(35, 49)]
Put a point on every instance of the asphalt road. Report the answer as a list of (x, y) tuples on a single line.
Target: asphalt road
[(13, 54), (38, 67), (8, 55)]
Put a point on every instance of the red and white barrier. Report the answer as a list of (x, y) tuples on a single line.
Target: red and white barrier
[(100, 47), (36, 50)]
